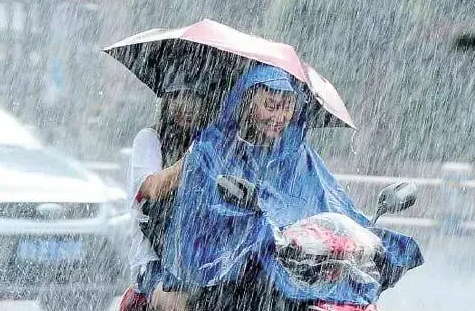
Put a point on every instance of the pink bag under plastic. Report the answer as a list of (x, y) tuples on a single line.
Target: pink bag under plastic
[(328, 247)]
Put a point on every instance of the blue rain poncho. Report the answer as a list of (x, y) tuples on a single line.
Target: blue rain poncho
[(210, 241)]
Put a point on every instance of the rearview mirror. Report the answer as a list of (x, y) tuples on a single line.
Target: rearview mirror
[(395, 198), (238, 191)]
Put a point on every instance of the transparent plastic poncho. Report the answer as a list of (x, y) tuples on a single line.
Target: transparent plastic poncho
[(328, 248)]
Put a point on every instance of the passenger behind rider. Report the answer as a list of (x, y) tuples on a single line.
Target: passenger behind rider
[(154, 172)]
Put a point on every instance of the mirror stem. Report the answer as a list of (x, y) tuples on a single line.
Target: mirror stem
[(378, 214)]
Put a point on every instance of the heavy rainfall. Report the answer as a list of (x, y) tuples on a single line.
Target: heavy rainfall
[(240, 163)]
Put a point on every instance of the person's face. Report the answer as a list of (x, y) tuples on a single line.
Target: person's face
[(185, 107), (272, 112)]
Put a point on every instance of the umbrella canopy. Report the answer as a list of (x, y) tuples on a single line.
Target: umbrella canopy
[(225, 52)]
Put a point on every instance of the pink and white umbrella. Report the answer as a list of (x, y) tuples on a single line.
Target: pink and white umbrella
[(214, 46)]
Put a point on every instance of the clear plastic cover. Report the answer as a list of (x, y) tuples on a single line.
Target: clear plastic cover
[(327, 248)]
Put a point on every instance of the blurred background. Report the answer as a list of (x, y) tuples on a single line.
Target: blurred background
[(404, 69)]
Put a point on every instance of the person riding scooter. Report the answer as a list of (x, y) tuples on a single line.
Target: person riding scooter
[(222, 255)]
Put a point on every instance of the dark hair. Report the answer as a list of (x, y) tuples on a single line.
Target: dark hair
[(175, 140), (246, 108)]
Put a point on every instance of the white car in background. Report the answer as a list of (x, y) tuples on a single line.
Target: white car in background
[(63, 232)]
